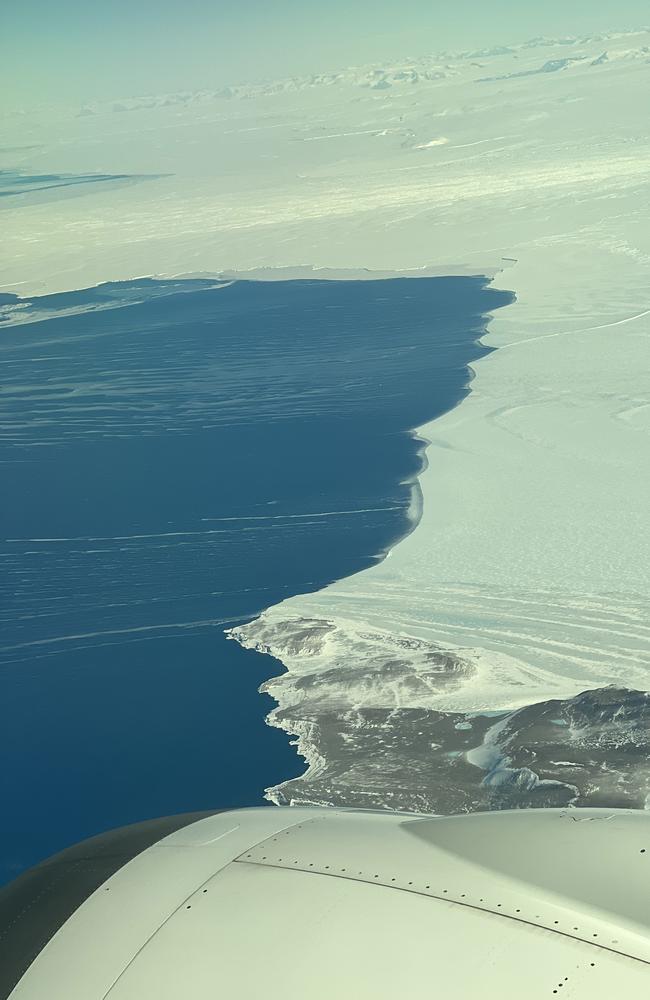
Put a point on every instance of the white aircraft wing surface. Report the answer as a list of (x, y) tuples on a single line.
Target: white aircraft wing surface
[(319, 903)]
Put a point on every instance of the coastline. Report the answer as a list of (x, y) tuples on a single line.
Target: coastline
[(538, 614), (202, 456), (302, 733), (52, 286)]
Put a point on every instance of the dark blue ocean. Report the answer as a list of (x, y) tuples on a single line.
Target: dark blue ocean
[(176, 457)]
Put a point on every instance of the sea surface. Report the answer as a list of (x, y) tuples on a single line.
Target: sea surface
[(176, 457)]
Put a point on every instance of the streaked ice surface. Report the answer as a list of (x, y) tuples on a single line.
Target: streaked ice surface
[(530, 565)]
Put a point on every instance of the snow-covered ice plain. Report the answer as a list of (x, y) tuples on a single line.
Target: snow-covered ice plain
[(527, 580)]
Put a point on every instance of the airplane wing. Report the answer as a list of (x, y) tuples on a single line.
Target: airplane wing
[(315, 903)]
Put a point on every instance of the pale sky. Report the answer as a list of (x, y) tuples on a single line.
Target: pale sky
[(74, 50)]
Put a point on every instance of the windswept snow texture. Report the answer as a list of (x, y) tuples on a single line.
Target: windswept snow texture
[(527, 581), (177, 456)]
